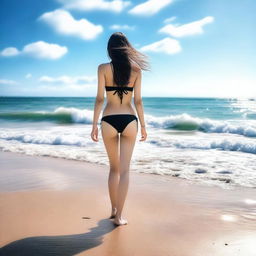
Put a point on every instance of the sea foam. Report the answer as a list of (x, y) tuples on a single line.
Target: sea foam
[(188, 123)]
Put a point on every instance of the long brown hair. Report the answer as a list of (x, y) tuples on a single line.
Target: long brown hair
[(122, 54)]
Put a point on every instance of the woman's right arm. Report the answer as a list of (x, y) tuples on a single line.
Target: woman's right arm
[(139, 105), (99, 101)]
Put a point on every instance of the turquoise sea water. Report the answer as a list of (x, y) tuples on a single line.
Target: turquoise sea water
[(208, 140), (214, 108)]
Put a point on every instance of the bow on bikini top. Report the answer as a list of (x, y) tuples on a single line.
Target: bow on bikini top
[(119, 90)]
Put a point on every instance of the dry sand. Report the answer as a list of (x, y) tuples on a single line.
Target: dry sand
[(51, 206)]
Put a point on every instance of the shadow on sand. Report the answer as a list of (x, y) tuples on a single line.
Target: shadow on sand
[(59, 245)]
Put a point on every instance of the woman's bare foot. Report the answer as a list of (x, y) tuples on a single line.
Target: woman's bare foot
[(113, 213), (120, 221)]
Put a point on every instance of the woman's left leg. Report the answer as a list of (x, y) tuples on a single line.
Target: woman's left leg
[(127, 143), (111, 141)]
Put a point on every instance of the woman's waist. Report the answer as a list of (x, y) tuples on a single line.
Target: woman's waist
[(110, 109)]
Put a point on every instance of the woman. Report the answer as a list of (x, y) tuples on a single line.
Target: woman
[(119, 78)]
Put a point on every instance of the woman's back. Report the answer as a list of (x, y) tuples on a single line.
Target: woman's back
[(119, 98)]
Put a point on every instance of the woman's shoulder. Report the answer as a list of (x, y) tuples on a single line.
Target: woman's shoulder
[(103, 65), (136, 68)]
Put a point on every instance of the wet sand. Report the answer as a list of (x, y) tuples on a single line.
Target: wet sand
[(51, 206)]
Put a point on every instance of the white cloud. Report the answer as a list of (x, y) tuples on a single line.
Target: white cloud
[(9, 52), (28, 75), (68, 89), (122, 27), (64, 23), (149, 7), (65, 90), (88, 5), (41, 50), (166, 45), (7, 81), (67, 85), (168, 20), (188, 29), (68, 79)]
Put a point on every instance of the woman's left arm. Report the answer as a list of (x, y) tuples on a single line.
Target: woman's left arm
[(98, 102)]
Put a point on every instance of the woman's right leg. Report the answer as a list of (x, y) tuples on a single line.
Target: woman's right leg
[(127, 142)]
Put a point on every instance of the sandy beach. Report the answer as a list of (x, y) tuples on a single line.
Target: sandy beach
[(51, 206)]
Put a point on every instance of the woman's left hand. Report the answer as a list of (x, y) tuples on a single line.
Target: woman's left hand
[(94, 133)]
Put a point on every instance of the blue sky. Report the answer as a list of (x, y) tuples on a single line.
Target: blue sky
[(197, 48)]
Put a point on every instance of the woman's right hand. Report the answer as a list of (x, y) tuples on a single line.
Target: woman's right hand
[(143, 134), (94, 133)]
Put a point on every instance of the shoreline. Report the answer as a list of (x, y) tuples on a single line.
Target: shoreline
[(164, 177), (63, 206)]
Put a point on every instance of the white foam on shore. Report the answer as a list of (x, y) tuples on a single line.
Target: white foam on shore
[(220, 159), (77, 138)]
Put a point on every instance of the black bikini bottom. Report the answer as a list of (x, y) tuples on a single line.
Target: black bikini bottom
[(119, 121)]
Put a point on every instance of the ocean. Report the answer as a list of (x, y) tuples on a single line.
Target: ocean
[(202, 140)]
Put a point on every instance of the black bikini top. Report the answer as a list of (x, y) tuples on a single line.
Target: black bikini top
[(119, 90)]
